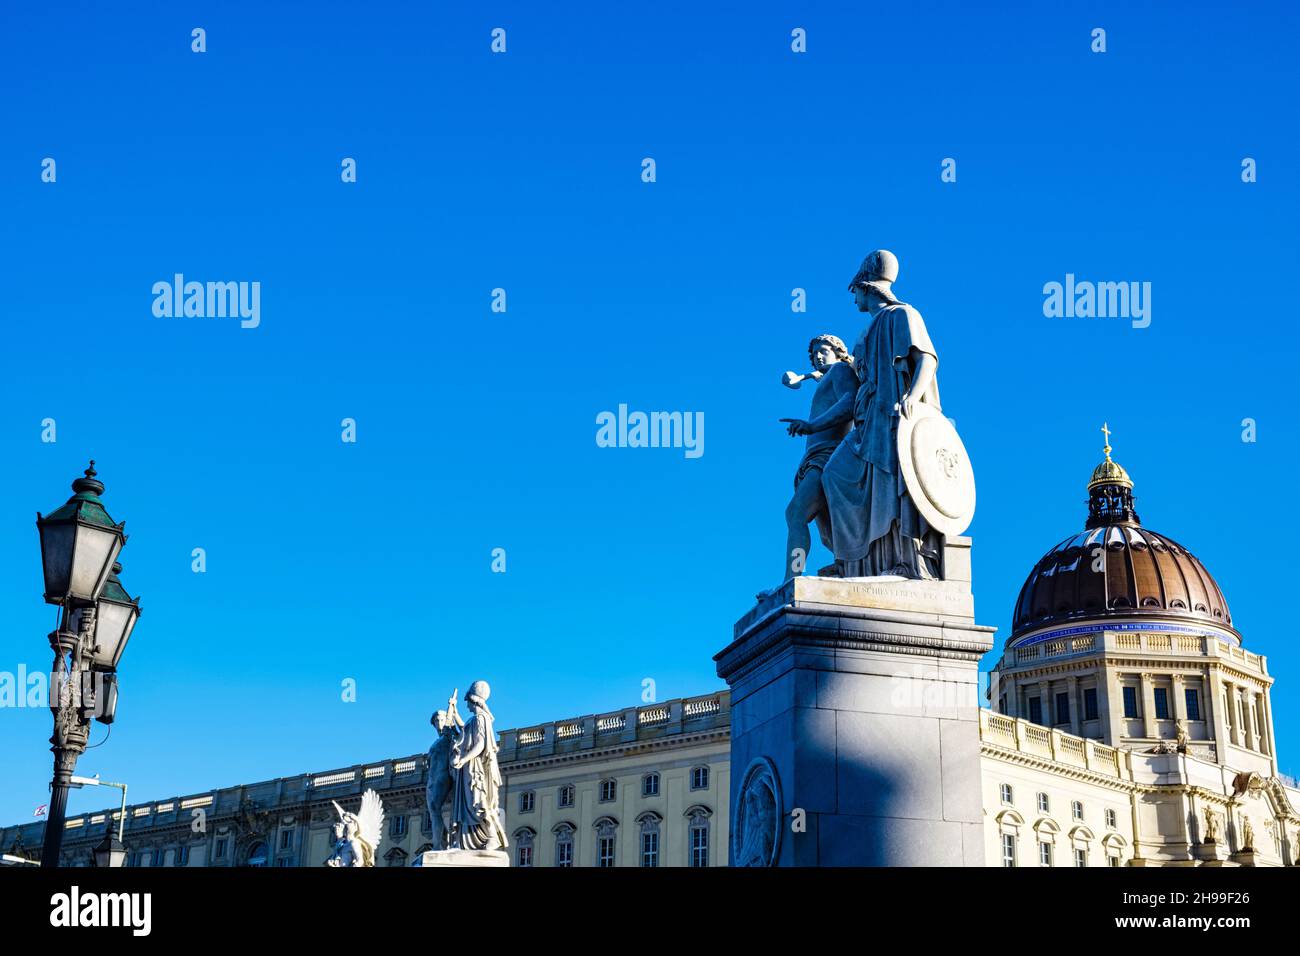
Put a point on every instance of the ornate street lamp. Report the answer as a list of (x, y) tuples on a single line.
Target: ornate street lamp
[(79, 543), (115, 618), (110, 851), (79, 548)]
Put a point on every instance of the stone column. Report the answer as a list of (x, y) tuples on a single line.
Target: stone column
[(1110, 705), (1076, 706), (1217, 720), (1048, 716), (1148, 707), (856, 704), (1266, 715), (1177, 706)]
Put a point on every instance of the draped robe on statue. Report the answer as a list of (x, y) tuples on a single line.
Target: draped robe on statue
[(875, 526), (475, 795)]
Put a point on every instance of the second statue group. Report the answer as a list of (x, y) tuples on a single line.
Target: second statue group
[(884, 474)]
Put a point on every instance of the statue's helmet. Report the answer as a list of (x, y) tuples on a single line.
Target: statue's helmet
[(479, 690), (879, 271)]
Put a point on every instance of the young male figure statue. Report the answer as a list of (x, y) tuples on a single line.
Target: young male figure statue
[(833, 371), (876, 528), (441, 782)]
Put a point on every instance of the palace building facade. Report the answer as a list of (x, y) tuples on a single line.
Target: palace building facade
[(1129, 726)]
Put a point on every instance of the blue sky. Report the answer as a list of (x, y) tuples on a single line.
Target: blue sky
[(476, 430)]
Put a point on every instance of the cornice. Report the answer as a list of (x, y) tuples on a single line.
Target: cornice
[(627, 748), (1035, 762)]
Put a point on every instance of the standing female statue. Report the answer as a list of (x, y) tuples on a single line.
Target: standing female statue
[(876, 528), (476, 791)]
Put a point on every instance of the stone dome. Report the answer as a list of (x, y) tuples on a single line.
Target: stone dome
[(1137, 572)]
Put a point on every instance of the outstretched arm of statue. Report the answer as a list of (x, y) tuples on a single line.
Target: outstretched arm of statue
[(793, 380), (837, 414), (922, 376)]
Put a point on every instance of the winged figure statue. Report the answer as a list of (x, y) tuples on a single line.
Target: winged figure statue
[(357, 835)]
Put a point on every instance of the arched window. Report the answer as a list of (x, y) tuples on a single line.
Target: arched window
[(563, 844), (1046, 831), (698, 825), (649, 823), (1009, 823), (257, 854), (606, 841), (524, 846)]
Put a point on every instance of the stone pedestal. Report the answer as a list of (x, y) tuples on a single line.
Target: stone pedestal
[(1209, 852), (462, 858), (855, 716)]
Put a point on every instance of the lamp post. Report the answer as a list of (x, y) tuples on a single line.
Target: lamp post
[(79, 548), (111, 850)]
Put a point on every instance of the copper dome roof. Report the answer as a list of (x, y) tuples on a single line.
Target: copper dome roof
[(1138, 572)]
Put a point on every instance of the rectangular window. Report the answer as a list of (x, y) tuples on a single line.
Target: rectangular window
[(399, 826), (221, 849), (699, 846), (605, 852), (700, 778), (1090, 703), (1131, 702), (1112, 860), (1044, 854), (1110, 819), (650, 849), (525, 856), (564, 853), (650, 785), (182, 856), (1044, 805), (608, 790), (1076, 810), (1161, 696), (1062, 708), (1080, 857), (286, 839), (1035, 710), (1006, 793), (566, 796), (1008, 849), (526, 801), (1193, 700)]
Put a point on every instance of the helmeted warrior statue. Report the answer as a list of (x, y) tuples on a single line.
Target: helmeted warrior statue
[(476, 786), (876, 526)]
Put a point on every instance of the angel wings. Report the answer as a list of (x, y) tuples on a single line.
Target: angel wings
[(361, 832)]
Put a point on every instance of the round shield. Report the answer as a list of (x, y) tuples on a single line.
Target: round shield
[(935, 467)]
